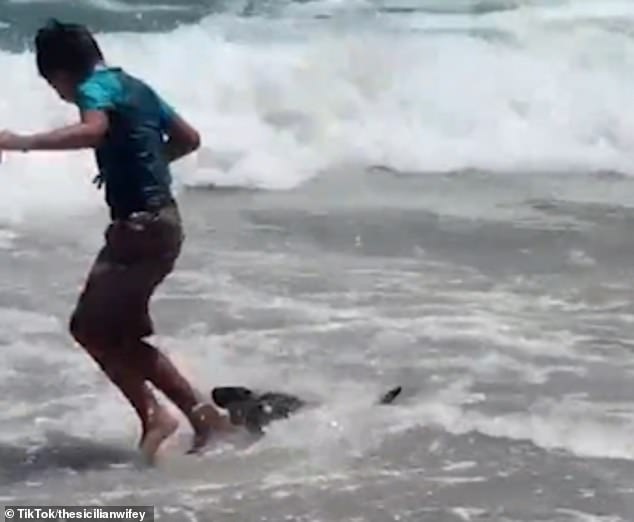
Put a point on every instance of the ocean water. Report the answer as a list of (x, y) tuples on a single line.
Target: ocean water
[(437, 194)]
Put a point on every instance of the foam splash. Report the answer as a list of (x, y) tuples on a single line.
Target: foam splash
[(579, 429), (280, 101)]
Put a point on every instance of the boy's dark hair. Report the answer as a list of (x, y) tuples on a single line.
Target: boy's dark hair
[(68, 48)]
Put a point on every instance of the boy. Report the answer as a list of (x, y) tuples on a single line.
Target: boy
[(136, 135)]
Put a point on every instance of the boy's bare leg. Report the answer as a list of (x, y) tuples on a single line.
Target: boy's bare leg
[(159, 370), (161, 426), (156, 422)]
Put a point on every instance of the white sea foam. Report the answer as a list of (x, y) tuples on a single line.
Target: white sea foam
[(280, 101)]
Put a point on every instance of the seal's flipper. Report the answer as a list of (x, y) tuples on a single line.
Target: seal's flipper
[(391, 395)]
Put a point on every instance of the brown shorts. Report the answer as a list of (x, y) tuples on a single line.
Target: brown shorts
[(139, 253)]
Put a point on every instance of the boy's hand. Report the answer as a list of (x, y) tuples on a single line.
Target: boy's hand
[(11, 141)]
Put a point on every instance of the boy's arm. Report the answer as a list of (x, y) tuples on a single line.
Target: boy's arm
[(182, 138), (88, 133)]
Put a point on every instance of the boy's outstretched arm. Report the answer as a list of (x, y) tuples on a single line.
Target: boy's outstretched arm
[(88, 133), (182, 140)]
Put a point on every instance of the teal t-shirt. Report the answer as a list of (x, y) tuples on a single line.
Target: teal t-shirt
[(131, 159)]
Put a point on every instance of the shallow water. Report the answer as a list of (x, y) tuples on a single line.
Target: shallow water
[(508, 324)]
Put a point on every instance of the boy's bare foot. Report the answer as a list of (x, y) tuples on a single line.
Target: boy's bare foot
[(205, 419), (161, 427)]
